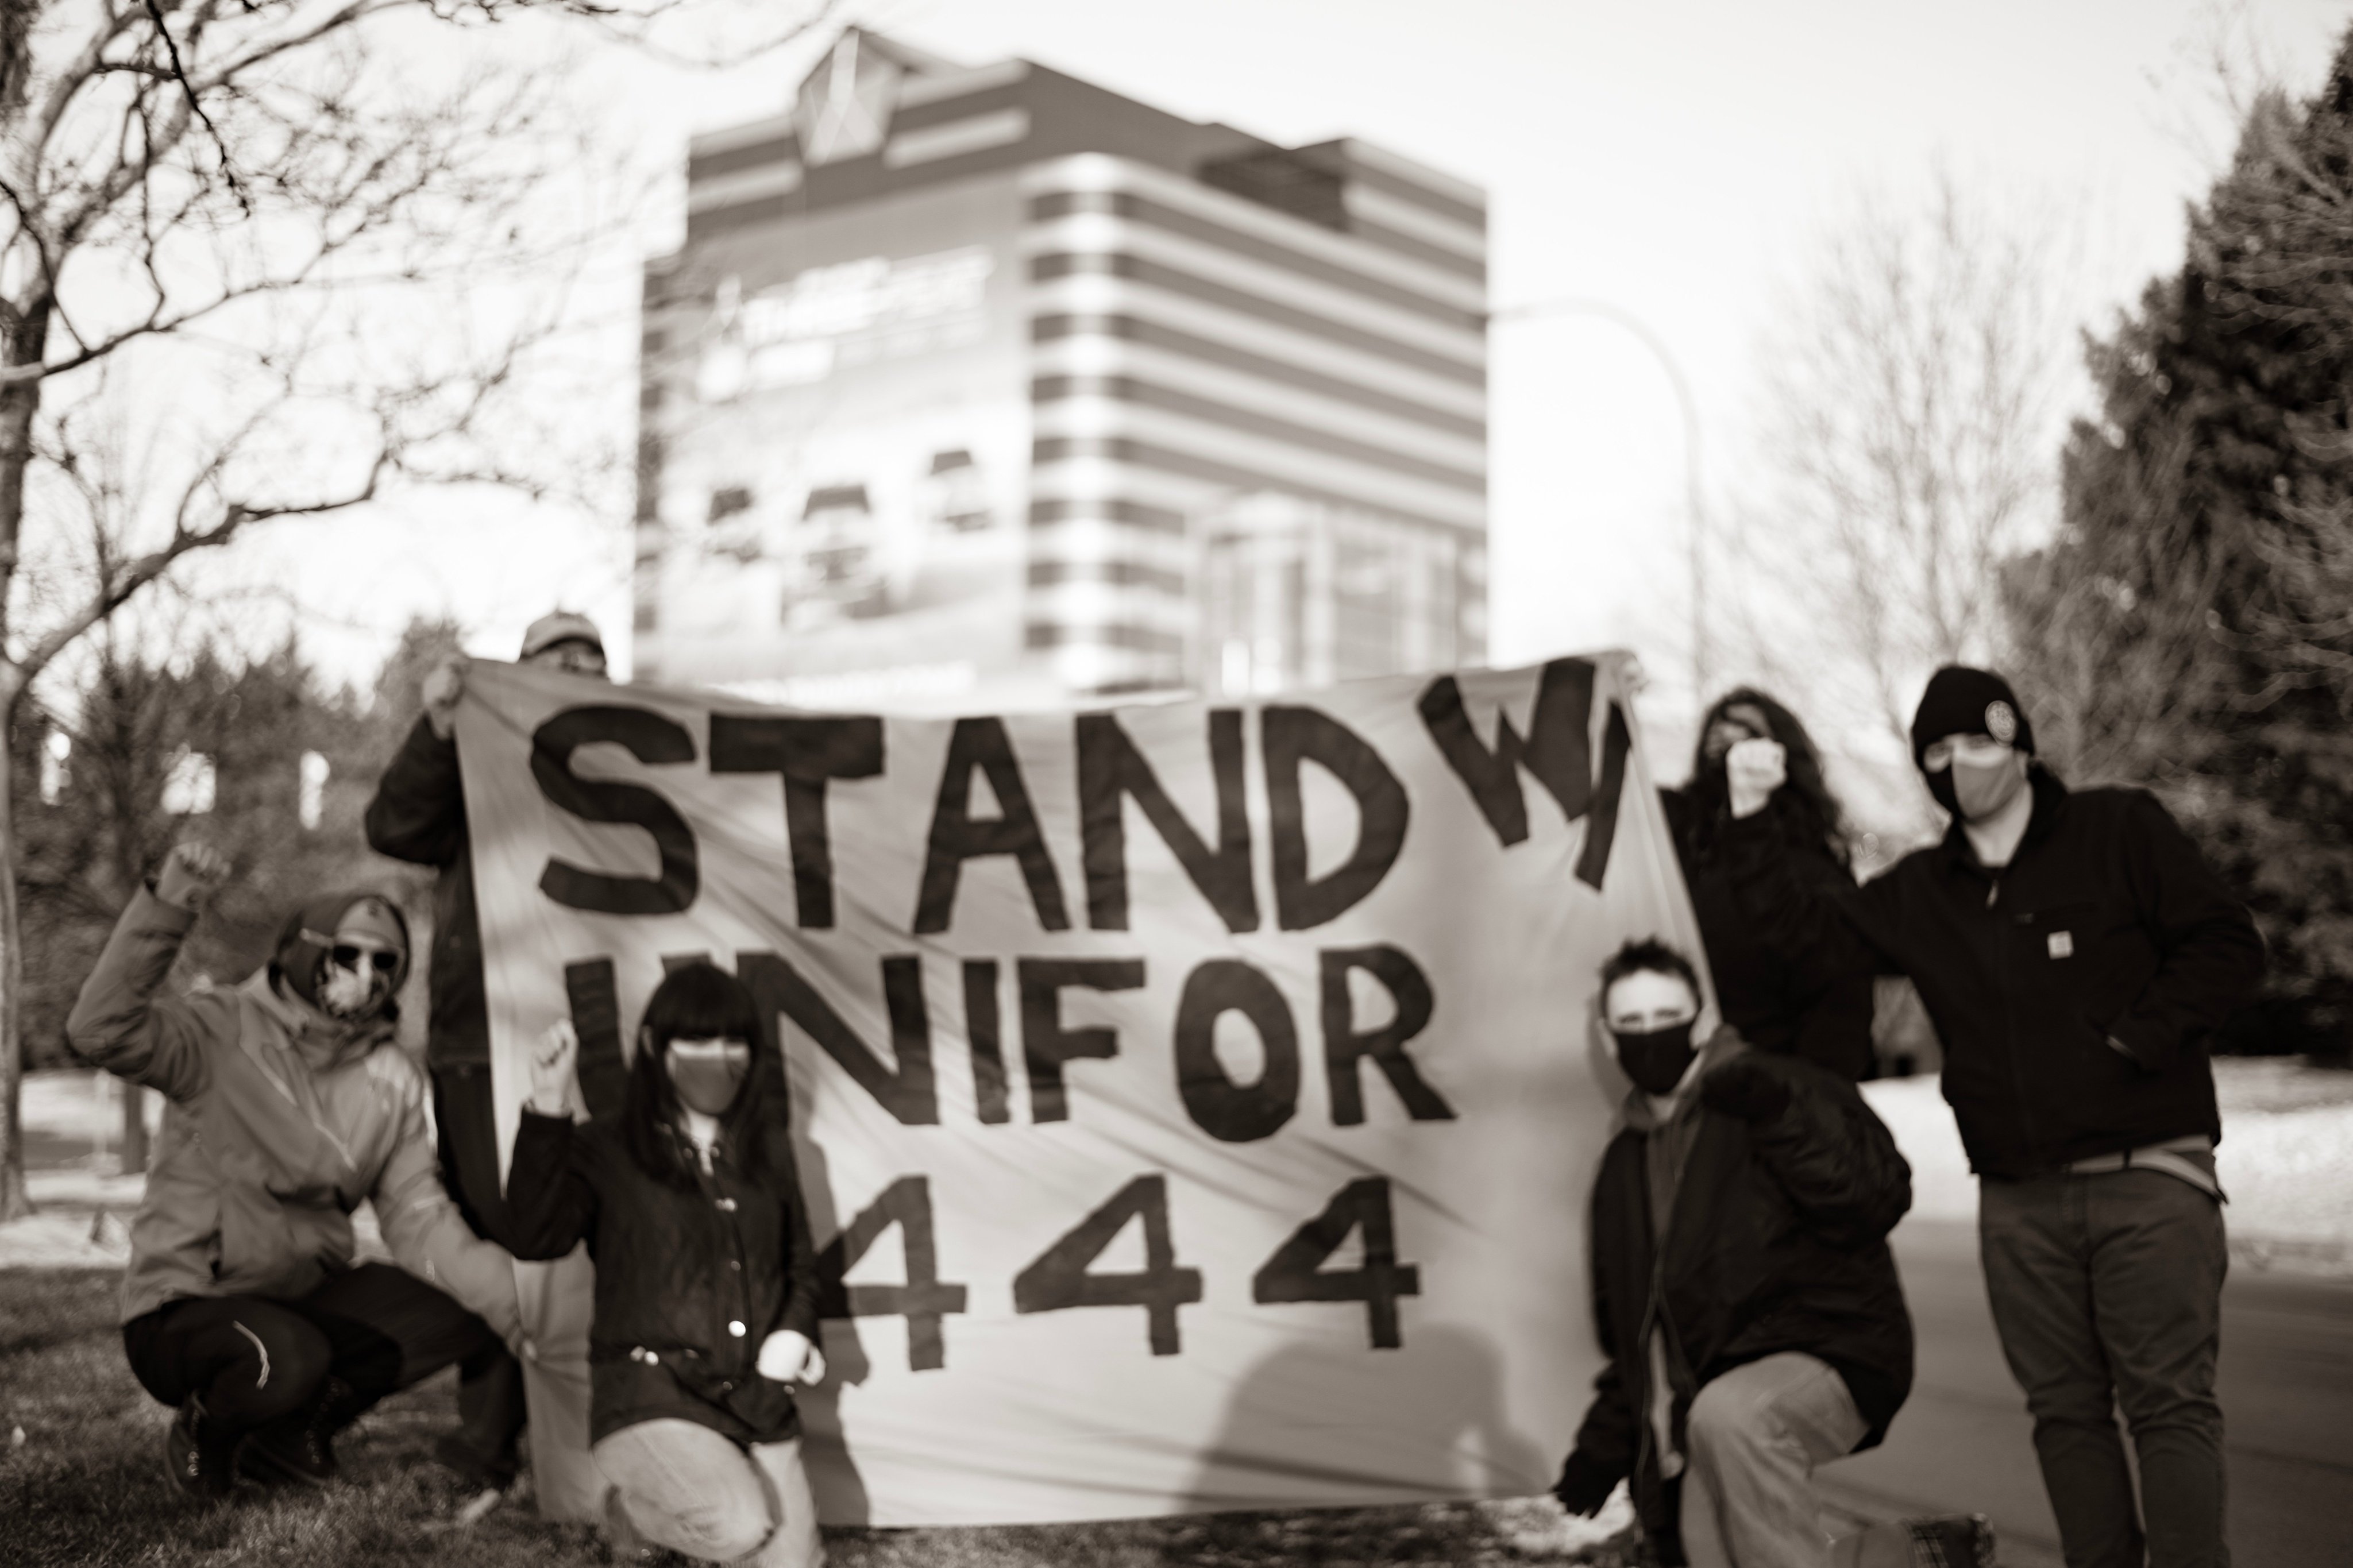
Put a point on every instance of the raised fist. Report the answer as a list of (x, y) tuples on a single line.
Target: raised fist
[(551, 1069), (191, 873), (1754, 769), (444, 685)]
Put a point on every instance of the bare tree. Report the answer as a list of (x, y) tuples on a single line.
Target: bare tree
[(1912, 394), (263, 186)]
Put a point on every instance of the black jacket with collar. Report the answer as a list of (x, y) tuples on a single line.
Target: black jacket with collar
[(1776, 1241), (697, 1277), (2107, 924), (418, 814)]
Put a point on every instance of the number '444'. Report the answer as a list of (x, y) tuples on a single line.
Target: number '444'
[(1063, 1276)]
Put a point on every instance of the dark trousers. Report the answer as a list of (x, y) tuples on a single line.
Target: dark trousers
[(490, 1417), (2108, 1291), (255, 1359)]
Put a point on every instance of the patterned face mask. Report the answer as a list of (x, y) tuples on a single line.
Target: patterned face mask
[(356, 977)]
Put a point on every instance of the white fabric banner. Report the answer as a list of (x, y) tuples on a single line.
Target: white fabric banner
[(1197, 1103)]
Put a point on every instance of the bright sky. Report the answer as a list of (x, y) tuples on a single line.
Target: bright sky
[(1670, 160)]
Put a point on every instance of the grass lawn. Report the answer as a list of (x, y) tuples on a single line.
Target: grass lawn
[(87, 1486)]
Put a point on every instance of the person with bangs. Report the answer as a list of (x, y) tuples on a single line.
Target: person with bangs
[(1778, 1007), (706, 1297)]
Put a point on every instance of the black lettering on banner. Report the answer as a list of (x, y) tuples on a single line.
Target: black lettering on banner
[(1230, 1111), (981, 1027), (1059, 1276), (907, 1091), (957, 836), (1556, 749), (1045, 1043), (602, 1072), (1291, 736), (923, 1300), (807, 752), (1295, 1272), (1346, 1046), (1601, 827), (1111, 771), (650, 737)]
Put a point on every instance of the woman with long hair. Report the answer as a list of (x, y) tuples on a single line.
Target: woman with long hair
[(706, 1307), (1776, 1008)]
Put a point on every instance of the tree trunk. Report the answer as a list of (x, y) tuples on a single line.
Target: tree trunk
[(14, 1203)]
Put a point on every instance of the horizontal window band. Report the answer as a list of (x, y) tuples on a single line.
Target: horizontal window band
[(1151, 334), (1158, 519), (1128, 389), (1141, 639), (1045, 268), (1119, 573), (1420, 195), (1421, 250), (1158, 214), (1168, 461)]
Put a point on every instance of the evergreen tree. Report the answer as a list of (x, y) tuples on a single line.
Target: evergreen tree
[(2194, 621)]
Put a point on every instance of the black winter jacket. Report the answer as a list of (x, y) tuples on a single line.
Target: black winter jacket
[(697, 1278), (1777, 1007), (419, 815), (1778, 1241), (2107, 923)]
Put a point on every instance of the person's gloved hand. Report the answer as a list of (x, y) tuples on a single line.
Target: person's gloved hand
[(788, 1356), (1745, 1087), (1584, 1485)]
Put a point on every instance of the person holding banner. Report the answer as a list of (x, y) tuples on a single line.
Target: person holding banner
[(1775, 1005), (2075, 954), (290, 1105), (706, 1301), (1743, 1290), (418, 814)]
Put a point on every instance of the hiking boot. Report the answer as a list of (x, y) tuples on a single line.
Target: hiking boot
[(200, 1456), (300, 1448), (453, 1453)]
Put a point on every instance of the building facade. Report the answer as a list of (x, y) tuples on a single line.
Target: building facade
[(987, 386)]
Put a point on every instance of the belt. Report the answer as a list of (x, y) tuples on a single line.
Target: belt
[(2190, 1158)]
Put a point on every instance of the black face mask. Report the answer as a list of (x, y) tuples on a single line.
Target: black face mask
[(1656, 1059)]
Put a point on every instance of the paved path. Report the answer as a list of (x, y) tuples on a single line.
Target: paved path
[(1963, 1443)]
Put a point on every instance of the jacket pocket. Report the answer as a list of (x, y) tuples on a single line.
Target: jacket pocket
[(259, 1251)]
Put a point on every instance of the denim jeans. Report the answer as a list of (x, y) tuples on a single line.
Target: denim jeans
[(1754, 1436), (2108, 1290), (689, 1488)]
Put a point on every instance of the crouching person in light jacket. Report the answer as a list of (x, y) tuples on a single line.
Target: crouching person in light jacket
[(290, 1106), (706, 1312)]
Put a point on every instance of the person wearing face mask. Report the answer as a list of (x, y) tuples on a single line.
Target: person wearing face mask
[(1743, 1290), (418, 814), (2075, 954), (1775, 1006), (288, 1105), (706, 1299)]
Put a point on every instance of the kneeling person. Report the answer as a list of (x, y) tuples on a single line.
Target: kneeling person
[(1743, 1290), (290, 1106), (706, 1303)]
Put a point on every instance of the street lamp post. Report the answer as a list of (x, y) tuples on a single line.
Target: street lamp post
[(1694, 501)]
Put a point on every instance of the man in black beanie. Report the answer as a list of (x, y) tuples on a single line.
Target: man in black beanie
[(2075, 954)]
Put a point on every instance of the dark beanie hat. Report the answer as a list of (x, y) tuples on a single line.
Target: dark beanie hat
[(1963, 701)]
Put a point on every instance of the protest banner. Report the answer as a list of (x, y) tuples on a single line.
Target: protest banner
[(1196, 1104)]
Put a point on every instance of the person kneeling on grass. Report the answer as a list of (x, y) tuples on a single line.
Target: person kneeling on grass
[(290, 1106), (1742, 1286), (706, 1307)]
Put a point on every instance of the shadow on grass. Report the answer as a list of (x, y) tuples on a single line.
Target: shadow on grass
[(88, 1488)]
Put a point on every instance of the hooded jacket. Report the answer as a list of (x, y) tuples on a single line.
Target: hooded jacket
[(281, 1122), (1776, 1241), (2107, 924)]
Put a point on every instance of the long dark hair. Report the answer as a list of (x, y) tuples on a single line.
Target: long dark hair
[(698, 1001), (1807, 813)]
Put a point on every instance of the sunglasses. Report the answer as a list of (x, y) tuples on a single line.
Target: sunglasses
[(348, 956)]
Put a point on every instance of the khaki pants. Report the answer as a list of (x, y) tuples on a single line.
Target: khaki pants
[(692, 1490), (1754, 1436)]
